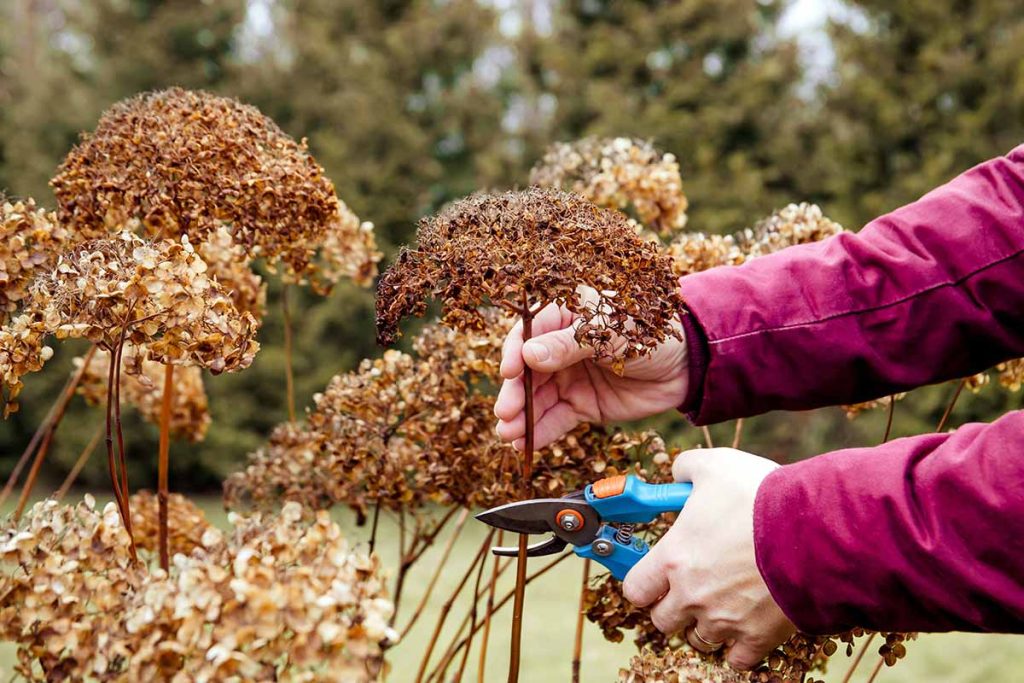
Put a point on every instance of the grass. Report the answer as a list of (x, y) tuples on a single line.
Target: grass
[(551, 603)]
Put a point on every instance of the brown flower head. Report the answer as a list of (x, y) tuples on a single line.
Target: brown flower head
[(276, 598), (794, 224), (616, 173), (187, 163), (693, 252), (229, 264), (187, 523), (142, 386), (1011, 374), (532, 248), (30, 240)]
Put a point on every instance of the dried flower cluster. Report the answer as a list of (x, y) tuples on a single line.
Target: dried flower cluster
[(142, 386), (794, 224), (517, 250), (276, 599), (231, 267), (187, 523), (616, 173), (30, 239), (1011, 374), (188, 163), (855, 409)]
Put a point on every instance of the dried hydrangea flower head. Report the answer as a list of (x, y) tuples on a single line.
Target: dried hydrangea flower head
[(519, 250), (616, 173), (795, 224), (160, 290), (693, 252), (22, 351), (231, 267), (853, 410), (142, 386), (186, 163), (30, 239), (188, 524), (274, 599), (1011, 374)]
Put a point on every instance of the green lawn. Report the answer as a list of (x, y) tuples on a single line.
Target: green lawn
[(550, 622)]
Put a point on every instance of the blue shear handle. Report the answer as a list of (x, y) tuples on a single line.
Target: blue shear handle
[(639, 501), (622, 557)]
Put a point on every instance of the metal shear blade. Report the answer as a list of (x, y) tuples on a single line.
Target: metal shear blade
[(540, 516)]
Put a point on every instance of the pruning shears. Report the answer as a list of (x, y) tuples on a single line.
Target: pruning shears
[(598, 521)]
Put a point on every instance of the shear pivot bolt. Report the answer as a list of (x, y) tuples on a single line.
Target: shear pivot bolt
[(570, 520), (602, 547)]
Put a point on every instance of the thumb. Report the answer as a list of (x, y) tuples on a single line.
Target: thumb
[(647, 581), (692, 465), (555, 351)]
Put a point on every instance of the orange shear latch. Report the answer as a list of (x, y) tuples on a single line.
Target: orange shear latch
[(609, 486)]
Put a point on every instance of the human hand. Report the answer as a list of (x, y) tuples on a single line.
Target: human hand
[(702, 576), (569, 387)]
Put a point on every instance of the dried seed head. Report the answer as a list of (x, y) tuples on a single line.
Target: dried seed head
[(186, 523), (1011, 374), (30, 239), (794, 224), (693, 252), (617, 173), (537, 247), (188, 163), (275, 598), (142, 386)]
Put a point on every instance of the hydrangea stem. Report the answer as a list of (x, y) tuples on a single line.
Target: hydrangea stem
[(47, 435), (80, 463), (289, 376), (577, 650), (487, 614), (163, 466), (520, 589), (438, 568), (952, 404), (860, 655)]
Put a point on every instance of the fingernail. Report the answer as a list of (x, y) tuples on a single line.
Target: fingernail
[(540, 352)]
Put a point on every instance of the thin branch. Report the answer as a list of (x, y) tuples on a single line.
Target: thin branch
[(737, 433), (115, 481), (373, 530), (446, 608), (520, 590), (459, 524), (472, 617), (288, 375), (122, 458), (708, 441), (860, 655), (577, 650), (874, 672), (163, 467), (497, 607), (51, 429), (83, 458), (888, 422), (487, 613), (952, 403)]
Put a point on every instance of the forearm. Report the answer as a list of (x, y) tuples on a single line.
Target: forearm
[(920, 534), (929, 292)]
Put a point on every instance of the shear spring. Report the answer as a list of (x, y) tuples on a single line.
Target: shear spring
[(624, 533)]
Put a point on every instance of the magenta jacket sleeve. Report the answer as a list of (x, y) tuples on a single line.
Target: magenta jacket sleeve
[(929, 292), (920, 534)]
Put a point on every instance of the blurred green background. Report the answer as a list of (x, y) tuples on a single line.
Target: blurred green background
[(859, 106)]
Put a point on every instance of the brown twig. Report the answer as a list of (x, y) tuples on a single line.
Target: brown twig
[(51, 429), (446, 608), (577, 650), (860, 655), (520, 589), (952, 403), (708, 441), (76, 469), (487, 613), (737, 433), (163, 466), (373, 529), (888, 422), (31, 447), (472, 621), (288, 376), (109, 440), (122, 458), (445, 554), (874, 672), (497, 607)]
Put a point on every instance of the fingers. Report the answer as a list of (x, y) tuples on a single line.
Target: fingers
[(555, 351), (548, 319), (691, 465), (512, 428), (705, 638), (670, 614), (745, 654), (647, 581)]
